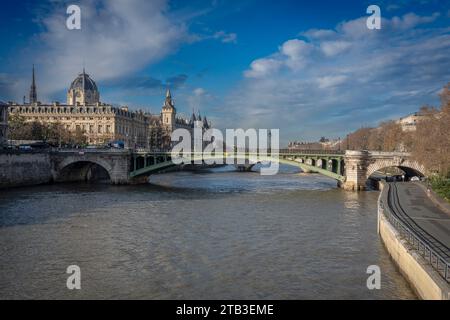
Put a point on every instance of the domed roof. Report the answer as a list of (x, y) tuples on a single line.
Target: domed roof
[(84, 82)]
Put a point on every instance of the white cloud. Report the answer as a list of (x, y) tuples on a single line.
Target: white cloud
[(225, 37), (319, 34), (412, 20), (331, 48), (262, 67), (116, 39), (297, 52), (331, 81), (349, 76), (292, 54)]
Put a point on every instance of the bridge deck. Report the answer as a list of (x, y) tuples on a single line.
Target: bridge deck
[(223, 157)]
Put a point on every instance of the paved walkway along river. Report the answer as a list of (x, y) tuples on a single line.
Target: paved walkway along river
[(414, 208)]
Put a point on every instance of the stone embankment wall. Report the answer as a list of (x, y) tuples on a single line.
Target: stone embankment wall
[(422, 277), (24, 169)]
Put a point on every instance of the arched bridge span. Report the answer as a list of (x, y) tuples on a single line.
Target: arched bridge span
[(350, 168)]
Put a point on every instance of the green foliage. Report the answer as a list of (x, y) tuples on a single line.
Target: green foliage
[(441, 186), (53, 133)]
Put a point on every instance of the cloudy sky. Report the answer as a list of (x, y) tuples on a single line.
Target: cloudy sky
[(309, 68)]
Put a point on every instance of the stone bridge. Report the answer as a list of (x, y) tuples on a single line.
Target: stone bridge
[(84, 165), (360, 165), (351, 169)]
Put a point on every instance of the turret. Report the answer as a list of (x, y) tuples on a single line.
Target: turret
[(168, 112)]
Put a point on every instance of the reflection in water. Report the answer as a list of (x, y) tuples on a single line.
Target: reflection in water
[(195, 235)]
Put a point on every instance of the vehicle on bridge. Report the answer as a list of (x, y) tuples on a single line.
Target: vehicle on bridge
[(118, 144)]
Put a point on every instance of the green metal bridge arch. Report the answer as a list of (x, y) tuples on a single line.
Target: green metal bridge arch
[(330, 164)]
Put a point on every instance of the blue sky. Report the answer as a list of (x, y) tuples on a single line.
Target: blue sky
[(310, 68)]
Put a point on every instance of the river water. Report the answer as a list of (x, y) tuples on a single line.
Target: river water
[(220, 235)]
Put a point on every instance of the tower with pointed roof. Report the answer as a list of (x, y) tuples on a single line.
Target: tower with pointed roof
[(33, 92), (168, 112)]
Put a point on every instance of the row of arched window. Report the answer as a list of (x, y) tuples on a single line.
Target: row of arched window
[(68, 109)]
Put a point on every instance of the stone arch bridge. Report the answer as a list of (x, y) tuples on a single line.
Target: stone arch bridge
[(351, 169)]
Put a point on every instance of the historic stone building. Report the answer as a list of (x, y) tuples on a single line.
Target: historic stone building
[(83, 91), (409, 123), (102, 123), (3, 123)]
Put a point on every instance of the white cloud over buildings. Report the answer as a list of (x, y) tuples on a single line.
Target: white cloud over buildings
[(117, 38)]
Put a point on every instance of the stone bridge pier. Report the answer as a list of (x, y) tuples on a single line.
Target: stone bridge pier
[(355, 170), (360, 165), (84, 165)]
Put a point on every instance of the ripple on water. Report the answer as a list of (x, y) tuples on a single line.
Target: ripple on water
[(225, 235)]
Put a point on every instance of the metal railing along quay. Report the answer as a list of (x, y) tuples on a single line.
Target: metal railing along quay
[(439, 261)]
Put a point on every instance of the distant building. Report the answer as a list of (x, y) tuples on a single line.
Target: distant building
[(323, 144), (3, 123), (409, 123), (101, 122)]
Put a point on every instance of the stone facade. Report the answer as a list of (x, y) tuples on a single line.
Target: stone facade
[(3, 123), (116, 164), (409, 123), (83, 91), (102, 123), (360, 165)]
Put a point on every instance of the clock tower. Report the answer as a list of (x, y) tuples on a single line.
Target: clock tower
[(168, 112)]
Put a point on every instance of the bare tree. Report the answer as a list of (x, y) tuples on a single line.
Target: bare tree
[(431, 141)]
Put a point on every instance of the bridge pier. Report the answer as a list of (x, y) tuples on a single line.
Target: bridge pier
[(137, 180), (355, 170), (244, 167)]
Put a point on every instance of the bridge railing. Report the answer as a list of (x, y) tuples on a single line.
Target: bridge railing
[(312, 152), (436, 260), (263, 152), (87, 150), (388, 154)]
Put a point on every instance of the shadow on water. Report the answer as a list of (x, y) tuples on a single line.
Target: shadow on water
[(41, 204)]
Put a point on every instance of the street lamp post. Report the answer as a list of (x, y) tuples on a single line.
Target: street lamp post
[(270, 142)]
